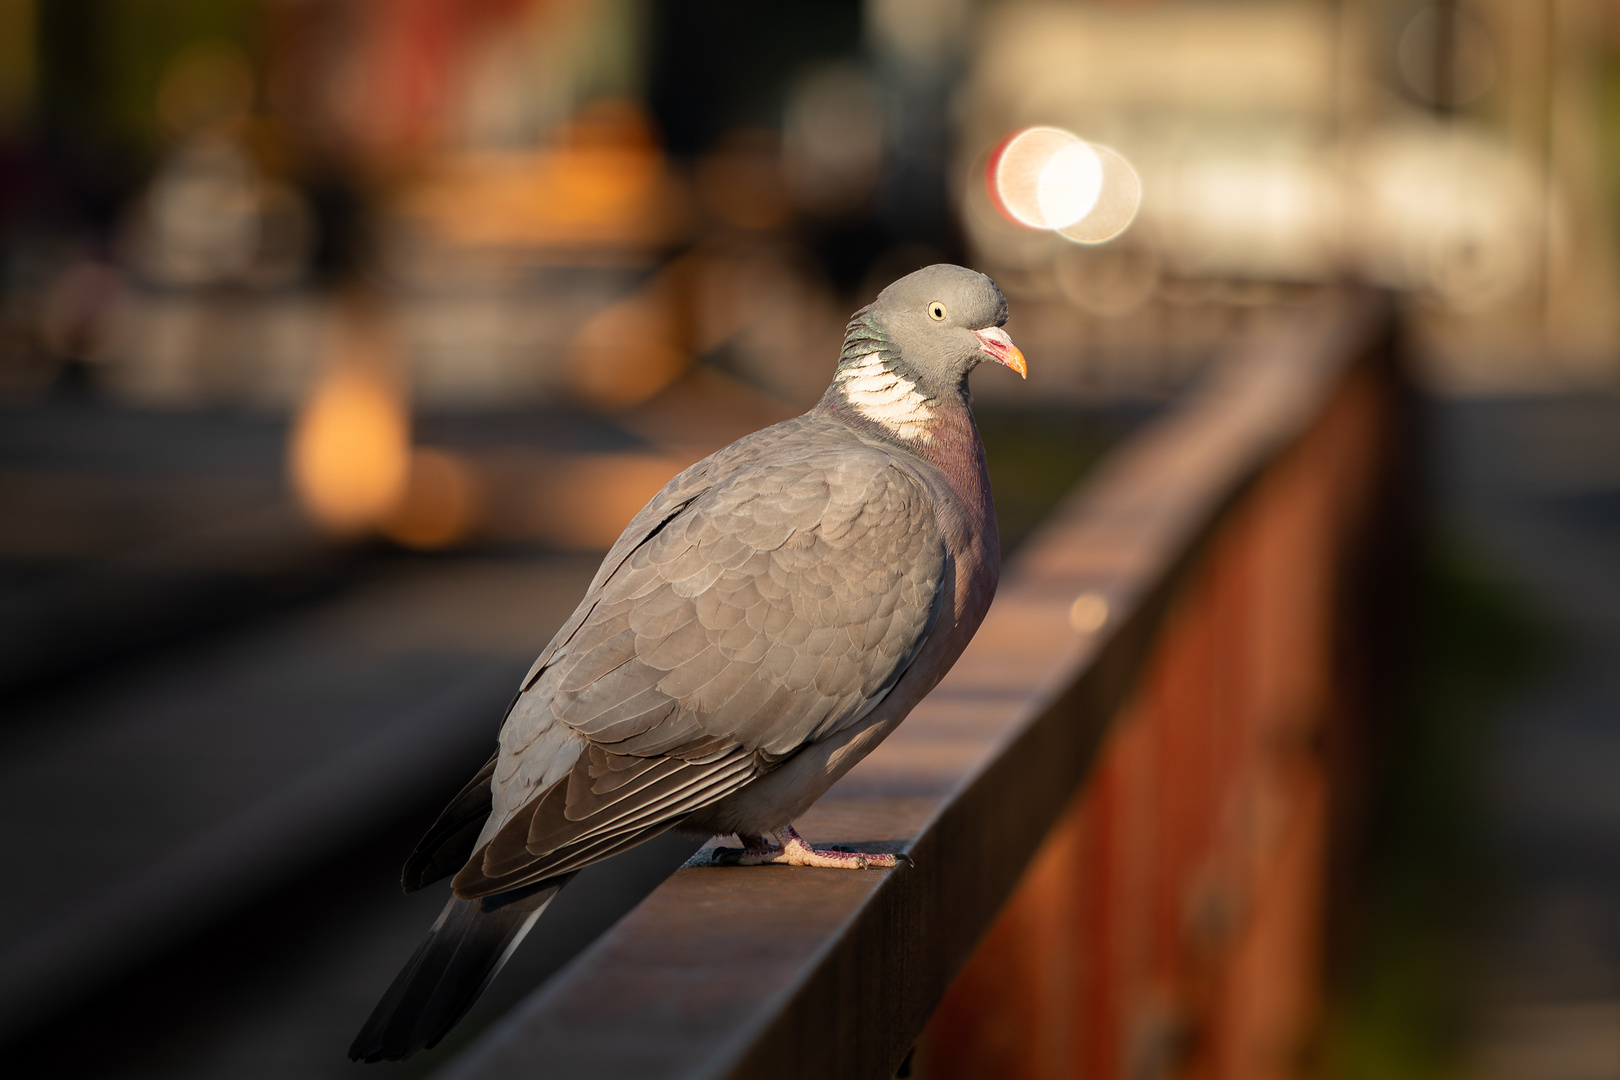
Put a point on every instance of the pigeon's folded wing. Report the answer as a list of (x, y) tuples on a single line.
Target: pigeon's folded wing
[(743, 617)]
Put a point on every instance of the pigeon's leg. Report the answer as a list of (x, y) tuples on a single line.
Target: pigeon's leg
[(755, 850), (794, 851)]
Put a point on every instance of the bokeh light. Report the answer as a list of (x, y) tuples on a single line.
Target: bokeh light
[(1047, 178), (1069, 185), (1119, 196), (350, 454), (439, 505)]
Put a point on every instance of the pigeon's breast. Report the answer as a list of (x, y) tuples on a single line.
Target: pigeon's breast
[(964, 516)]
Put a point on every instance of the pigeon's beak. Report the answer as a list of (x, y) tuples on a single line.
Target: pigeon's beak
[(994, 340)]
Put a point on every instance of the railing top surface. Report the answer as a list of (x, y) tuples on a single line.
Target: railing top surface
[(784, 972)]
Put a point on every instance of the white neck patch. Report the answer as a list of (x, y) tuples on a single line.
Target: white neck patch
[(887, 397)]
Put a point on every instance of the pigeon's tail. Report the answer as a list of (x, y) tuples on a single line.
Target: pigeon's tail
[(469, 943)]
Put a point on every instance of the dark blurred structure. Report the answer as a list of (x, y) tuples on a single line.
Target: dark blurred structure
[(332, 332)]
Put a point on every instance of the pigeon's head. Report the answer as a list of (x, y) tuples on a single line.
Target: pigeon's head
[(945, 320), (912, 348)]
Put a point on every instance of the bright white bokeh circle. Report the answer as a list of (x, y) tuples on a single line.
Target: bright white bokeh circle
[(1069, 185), (1047, 178)]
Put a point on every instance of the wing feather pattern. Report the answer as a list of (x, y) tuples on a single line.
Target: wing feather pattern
[(747, 612)]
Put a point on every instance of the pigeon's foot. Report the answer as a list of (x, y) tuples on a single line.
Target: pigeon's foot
[(793, 850)]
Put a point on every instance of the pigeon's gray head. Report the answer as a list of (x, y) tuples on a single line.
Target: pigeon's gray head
[(912, 349)]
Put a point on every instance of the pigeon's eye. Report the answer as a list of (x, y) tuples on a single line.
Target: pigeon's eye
[(936, 311)]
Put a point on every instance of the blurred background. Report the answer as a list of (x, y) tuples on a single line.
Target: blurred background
[(339, 337)]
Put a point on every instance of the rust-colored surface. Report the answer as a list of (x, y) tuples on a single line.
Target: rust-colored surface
[(1169, 923)]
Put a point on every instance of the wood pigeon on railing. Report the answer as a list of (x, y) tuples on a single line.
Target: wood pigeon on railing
[(773, 613)]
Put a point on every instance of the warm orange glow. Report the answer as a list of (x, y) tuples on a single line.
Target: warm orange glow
[(350, 450), (441, 503), (603, 182), (629, 351), (585, 501)]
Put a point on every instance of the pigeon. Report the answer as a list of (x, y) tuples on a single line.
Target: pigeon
[(763, 622)]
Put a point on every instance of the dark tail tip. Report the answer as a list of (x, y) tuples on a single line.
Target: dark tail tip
[(445, 976)]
